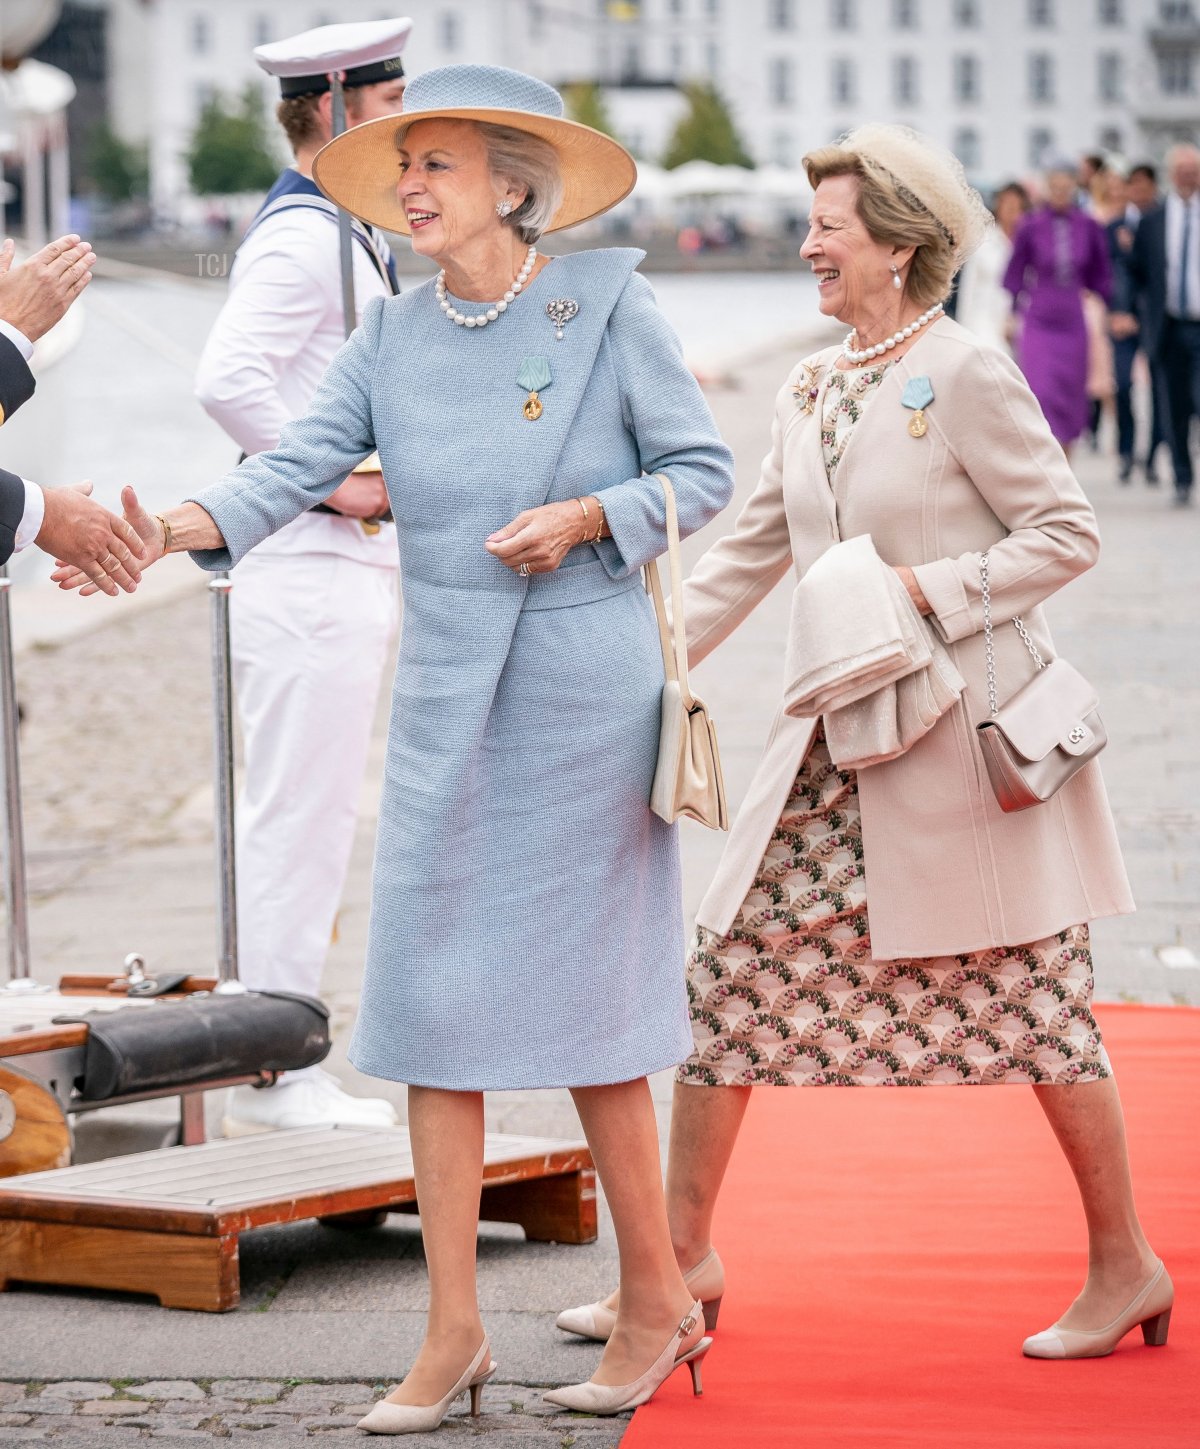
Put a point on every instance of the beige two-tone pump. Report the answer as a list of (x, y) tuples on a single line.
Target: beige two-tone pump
[(387, 1418), (1150, 1309), (706, 1279)]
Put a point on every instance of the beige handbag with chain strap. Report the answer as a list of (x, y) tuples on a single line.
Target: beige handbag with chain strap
[(1035, 741), (688, 780)]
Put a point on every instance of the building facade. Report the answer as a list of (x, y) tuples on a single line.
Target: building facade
[(1006, 83)]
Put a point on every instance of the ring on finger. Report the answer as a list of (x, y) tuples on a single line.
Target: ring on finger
[(524, 570)]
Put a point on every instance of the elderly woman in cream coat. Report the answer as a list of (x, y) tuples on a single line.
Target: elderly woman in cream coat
[(973, 965)]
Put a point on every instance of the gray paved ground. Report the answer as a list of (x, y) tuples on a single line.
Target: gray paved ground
[(116, 767)]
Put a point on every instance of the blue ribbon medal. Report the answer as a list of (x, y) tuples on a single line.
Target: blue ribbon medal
[(535, 378), (917, 395)]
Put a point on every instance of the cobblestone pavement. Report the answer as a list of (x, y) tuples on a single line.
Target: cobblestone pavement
[(78, 1414)]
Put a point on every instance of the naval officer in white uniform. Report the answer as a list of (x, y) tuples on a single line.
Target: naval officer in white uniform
[(313, 608)]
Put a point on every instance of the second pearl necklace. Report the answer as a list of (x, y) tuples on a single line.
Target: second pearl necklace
[(853, 354), (481, 319)]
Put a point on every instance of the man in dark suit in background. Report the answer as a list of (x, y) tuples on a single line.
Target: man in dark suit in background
[(1165, 269), (64, 522), (1141, 199)]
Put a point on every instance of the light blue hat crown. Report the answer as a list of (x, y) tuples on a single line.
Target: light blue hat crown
[(480, 87)]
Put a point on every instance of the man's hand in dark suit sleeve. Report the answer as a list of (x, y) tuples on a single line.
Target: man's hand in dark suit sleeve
[(34, 296), (82, 533)]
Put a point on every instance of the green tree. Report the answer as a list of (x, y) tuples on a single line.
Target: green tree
[(118, 170), (707, 132), (585, 104), (230, 149)]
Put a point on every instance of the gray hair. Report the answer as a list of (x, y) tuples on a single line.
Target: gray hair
[(520, 159)]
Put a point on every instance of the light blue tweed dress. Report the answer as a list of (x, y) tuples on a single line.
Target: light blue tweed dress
[(526, 924)]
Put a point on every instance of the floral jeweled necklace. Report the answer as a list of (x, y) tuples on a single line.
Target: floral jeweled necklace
[(853, 354), (481, 319)]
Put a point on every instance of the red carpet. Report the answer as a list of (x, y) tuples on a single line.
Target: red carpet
[(887, 1251)]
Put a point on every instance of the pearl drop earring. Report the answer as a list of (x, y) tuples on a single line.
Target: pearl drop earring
[(503, 208), (896, 282)]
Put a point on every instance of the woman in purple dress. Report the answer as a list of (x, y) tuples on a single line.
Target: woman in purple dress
[(1059, 253)]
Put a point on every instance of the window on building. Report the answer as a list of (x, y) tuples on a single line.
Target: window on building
[(205, 93), (966, 14), (904, 80), (1110, 12), (843, 88), (904, 14), (780, 80), (1041, 14), (712, 9), (449, 31), (1112, 138), (783, 148), (781, 14), (712, 59), (631, 60), (1175, 11), (1176, 73), (1041, 147), (841, 14), (966, 78), (1041, 77), (1111, 76), (676, 7), (967, 148), (675, 60), (261, 30), (201, 34)]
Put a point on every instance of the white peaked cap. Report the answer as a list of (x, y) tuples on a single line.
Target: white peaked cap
[(348, 47)]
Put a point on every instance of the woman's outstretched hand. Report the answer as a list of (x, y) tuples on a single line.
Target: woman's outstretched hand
[(148, 529)]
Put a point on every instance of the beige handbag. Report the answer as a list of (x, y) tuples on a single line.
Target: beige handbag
[(688, 780), (1034, 742)]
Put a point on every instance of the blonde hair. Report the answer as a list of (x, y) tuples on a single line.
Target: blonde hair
[(911, 193)]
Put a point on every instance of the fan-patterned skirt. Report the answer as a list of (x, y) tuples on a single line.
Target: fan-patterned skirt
[(792, 997)]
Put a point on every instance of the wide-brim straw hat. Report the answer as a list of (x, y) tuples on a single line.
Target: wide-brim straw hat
[(360, 168)]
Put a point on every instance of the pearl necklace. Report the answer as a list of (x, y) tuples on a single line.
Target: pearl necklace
[(481, 319), (852, 354)]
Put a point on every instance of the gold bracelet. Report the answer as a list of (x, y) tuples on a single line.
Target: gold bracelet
[(168, 535), (600, 525), (586, 519)]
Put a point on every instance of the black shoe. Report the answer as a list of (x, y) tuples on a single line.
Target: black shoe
[(1152, 478), (1126, 470), (1183, 496)]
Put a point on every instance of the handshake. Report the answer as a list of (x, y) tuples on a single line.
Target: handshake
[(94, 550)]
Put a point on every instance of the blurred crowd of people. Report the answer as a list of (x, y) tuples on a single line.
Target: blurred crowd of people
[(1092, 280)]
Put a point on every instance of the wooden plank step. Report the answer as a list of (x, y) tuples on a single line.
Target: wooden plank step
[(167, 1222)]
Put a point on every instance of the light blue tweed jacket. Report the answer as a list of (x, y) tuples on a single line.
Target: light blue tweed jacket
[(526, 917)]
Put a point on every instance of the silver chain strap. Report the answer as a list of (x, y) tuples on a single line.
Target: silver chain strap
[(989, 640)]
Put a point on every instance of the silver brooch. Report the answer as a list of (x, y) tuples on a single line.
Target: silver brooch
[(560, 312)]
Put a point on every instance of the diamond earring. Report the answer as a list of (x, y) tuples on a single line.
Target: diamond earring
[(896, 282), (503, 208)]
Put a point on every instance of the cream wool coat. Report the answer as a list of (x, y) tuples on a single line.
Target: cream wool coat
[(947, 871)]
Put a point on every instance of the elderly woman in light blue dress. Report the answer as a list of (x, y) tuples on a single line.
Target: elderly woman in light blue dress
[(526, 925)]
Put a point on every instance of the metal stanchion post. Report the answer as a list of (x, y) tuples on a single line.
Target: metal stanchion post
[(16, 894), (227, 957), (345, 243)]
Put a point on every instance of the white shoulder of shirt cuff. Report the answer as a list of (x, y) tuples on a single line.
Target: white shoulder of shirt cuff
[(32, 518), (17, 338)]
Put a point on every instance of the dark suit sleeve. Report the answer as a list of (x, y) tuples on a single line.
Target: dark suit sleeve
[(12, 509), (16, 380)]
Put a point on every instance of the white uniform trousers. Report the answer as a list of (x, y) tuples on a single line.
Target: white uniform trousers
[(310, 635)]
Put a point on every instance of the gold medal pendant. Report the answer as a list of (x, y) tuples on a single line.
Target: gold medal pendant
[(535, 377), (917, 426)]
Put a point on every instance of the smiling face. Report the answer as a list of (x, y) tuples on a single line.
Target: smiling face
[(1060, 190), (853, 270), (447, 190)]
